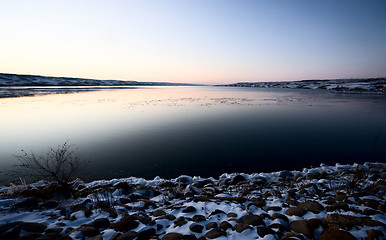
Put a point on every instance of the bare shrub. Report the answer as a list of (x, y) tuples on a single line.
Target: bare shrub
[(61, 164)]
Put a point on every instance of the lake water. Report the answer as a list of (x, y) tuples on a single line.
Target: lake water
[(206, 131)]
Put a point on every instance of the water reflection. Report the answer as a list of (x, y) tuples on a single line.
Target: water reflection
[(168, 131)]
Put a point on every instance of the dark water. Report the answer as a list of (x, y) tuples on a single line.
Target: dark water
[(206, 131)]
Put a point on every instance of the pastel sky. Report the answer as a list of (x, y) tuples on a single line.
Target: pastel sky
[(197, 41)]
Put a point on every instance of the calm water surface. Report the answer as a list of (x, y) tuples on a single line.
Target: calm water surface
[(206, 131)]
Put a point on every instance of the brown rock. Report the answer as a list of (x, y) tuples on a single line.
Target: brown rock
[(211, 225), (315, 223), (311, 206), (280, 216), (88, 231), (240, 227), (189, 209), (196, 228), (297, 211), (253, 220), (33, 227), (158, 213), (173, 236), (336, 234), (199, 218), (337, 221), (215, 233), (302, 226), (224, 225), (374, 234), (130, 235), (262, 231), (124, 225)]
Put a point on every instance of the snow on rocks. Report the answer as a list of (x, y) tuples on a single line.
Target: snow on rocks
[(327, 202)]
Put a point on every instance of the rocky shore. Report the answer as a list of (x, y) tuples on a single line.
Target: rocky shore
[(327, 202)]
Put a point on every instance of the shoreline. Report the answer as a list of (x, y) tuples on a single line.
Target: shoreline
[(313, 203)]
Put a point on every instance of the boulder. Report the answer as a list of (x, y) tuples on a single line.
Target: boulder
[(297, 211), (173, 236), (311, 206), (262, 231), (33, 227), (199, 218), (240, 227), (189, 209), (336, 221), (197, 228), (124, 225), (215, 233), (88, 231), (211, 225), (224, 225), (302, 226), (253, 220), (331, 234), (158, 213), (101, 223)]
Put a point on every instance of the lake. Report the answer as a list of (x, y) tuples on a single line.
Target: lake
[(201, 131)]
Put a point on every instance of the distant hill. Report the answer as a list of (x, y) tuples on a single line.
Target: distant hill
[(7, 79), (376, 85)]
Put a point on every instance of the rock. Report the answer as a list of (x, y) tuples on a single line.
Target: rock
[(262, 231), (280, 216), (168, 217), (173, 236), (217, 211), (338, 206), (259, 202), (124, 225), (302, 226), (211, 225), (215, 233), (236, 179), (30, 203), (96, 238), (50, 204), (232, 215), (199, 218), (51, 236), (54, 230), (180, 221), (33, 227), (331, 234), (189, 209), (158, 213), (9, 227), (253, 220), (224, 225), (292, 235), (30, 236), (336, 221), (369, 211), (297, 211), (279, 226), (274, 208), (240, 227), (146, 234), (88, 231), (285, 176), (374, 234), (315, 223), (101, 223), (189, 237), (311, 206), (201, 183), (196, 228), (130, 235)]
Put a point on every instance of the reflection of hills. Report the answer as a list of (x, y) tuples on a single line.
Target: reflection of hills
[(377, 85), (35, 80)]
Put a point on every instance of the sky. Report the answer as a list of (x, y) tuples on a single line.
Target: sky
[(200, 41)]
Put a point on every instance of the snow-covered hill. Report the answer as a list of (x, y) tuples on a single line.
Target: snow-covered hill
[(376, 85), (35, 80)]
